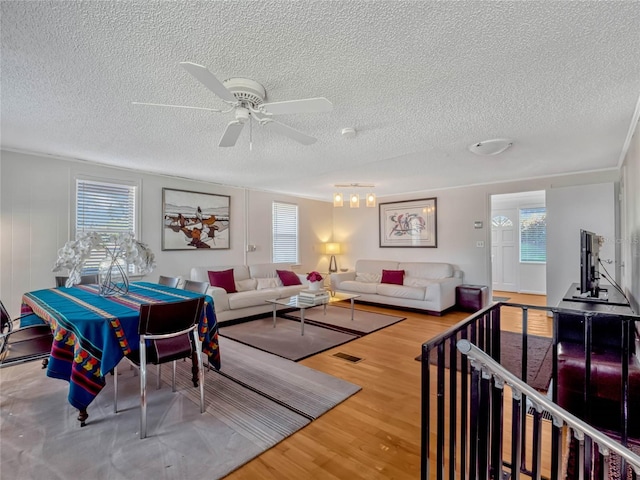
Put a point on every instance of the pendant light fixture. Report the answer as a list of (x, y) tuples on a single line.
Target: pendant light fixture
[(354, 197)]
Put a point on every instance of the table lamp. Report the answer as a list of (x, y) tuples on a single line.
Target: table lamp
[(333, 249)]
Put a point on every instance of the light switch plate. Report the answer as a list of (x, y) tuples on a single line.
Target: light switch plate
[(480, 244)]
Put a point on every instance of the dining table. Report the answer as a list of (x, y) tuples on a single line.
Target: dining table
[(92, 333)]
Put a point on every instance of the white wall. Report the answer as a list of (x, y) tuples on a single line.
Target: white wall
[(458, 208), (569, 209), (630, 232), (37, 195)]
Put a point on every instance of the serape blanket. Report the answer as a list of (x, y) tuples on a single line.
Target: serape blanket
[(93, 333)]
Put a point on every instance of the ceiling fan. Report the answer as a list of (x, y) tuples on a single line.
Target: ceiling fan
[(246, 99)]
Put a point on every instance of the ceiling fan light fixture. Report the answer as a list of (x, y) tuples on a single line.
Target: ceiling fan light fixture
[(490, 147)]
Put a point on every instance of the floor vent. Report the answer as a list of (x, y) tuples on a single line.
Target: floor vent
[(346, 356)]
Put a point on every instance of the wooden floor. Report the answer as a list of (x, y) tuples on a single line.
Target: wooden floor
[(375, 434)]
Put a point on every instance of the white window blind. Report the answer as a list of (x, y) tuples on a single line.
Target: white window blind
[(533, 234), (285, 232), (106, 208)]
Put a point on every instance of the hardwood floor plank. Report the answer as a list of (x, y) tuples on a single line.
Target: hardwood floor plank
[(375, 433)]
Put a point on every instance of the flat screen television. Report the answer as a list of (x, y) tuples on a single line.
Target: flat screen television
[(589, 264)]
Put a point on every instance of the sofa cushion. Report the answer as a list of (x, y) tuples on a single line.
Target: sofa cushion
[(368, 277), (400, 291), (288, 278), (246, 285), (223, 279), (427, 269), (201, 274), (395, 277), (267, 282), (375, 266), (358, 287), (253, 298), (417, 281)]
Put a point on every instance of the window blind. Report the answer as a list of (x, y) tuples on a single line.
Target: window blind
[(106, 208), (285, 233), (533, 234)]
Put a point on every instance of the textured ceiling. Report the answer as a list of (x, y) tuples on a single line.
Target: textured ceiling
[(420, 81)]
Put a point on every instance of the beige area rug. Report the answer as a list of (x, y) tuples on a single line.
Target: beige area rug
[(321, 332), (339, 318), (40, 437)]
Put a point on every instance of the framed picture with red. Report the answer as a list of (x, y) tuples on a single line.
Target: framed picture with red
[(195, 220), (409, 223)]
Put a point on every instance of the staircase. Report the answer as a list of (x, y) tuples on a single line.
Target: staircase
[(475, 414)]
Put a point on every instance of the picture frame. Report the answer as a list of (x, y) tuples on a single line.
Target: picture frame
[(409, 223), (195, 220)]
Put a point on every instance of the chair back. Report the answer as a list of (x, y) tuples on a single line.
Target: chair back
[(167, 318), (6, 324), (198, 287), (169, 281), (84, 280)]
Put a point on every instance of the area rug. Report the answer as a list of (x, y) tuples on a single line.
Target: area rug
[(339, 318), (539, 358), (40, 437), (285, 339), (571, 469)]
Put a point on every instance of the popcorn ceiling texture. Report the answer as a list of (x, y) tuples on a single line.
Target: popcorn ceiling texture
[(420, 81)]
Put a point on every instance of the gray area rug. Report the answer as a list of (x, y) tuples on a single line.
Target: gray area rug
[(539, 358), (285, 339), (40, 437), (339, 318)]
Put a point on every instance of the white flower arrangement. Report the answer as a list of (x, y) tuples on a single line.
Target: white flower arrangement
[(123, 248)]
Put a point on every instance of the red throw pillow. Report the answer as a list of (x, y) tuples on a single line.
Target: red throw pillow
[(223, 279), (395, 277), (287, 277)]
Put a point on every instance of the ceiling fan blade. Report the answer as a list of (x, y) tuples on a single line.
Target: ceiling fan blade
[(176, 106), (209, 80), (289, 132), (231, 134), (306, 105)]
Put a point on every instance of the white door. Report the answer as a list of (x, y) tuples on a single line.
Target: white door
[(504, 249)]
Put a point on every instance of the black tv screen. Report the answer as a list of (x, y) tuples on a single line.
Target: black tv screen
[(589, 263)]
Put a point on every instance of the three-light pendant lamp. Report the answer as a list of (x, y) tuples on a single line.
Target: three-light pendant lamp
[(354, 198)]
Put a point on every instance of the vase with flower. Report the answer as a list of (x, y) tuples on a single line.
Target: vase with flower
[(315, 280), (121, 250)]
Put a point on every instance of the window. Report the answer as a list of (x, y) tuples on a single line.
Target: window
[(533, 235), (285, 233), (106, 208)]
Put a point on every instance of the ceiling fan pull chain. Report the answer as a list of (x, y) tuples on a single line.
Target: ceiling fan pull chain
[(250, 133)]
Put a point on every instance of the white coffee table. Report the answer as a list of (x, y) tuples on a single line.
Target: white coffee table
[(295, 302)]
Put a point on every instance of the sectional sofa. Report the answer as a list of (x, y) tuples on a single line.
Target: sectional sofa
[(245, 292), (428, 286)]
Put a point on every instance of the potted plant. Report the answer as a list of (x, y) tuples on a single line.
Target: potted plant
[(315, 280)]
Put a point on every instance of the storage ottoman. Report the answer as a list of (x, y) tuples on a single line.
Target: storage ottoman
[(471, 298)]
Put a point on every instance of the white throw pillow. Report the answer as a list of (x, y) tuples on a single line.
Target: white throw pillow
[(246, 285), (267, 283), (368, 277)]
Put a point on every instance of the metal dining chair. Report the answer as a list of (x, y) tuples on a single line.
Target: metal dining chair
[(198, 287), (84, 280), (23, 344), (169, 281), (168, 332)]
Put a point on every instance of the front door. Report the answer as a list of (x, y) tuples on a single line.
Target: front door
[(504, 249)]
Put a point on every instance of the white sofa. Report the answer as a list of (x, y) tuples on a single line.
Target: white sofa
[(255, 284), (426, 286)]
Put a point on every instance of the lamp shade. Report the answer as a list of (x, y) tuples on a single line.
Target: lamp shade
[(371, 200), (354, 200), (338, 199), (331, 248)]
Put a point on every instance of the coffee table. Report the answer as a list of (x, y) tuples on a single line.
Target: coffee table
[(295, 302)]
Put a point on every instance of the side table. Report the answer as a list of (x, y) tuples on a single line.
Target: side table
[(471, 298)]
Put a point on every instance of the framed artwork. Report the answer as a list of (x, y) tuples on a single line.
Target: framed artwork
[(193, 220), (411, 223)]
